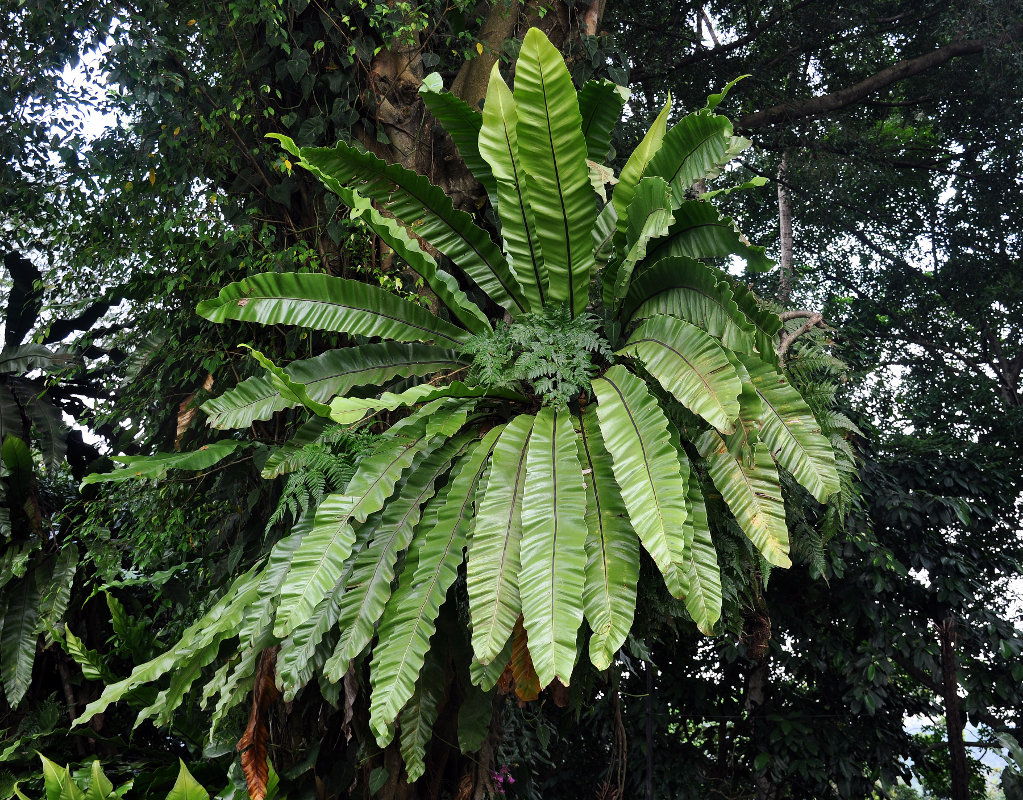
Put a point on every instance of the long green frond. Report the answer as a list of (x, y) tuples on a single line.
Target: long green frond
[(691, 365), (492, 569), (703, 600), (552, 548), (330, 374), (695, 148), (749, 484), (324, 302), (600, 106), (18, 638), (498, 144), (792, 433), (553, 152), (612, 549), (646, 466)]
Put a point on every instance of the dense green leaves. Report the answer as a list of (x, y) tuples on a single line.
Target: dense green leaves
[(551, 459), (410, 618)]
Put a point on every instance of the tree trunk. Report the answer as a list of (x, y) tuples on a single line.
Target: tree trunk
[(953, 713), (785, 228), (649, 780)]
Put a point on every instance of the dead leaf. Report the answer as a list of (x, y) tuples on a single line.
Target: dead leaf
[(527, 683), (187, 412), (253, 745)]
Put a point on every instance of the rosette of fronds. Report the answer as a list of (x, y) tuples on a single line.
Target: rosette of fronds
[(534, 440)]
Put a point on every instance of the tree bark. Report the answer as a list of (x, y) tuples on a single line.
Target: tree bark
[(953, 712), (785, 229)]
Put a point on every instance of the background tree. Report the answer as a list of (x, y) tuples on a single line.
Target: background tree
[(900, 186)]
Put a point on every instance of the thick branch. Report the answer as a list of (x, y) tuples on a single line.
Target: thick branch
[(792, 110), (471, 82), (812, 321)]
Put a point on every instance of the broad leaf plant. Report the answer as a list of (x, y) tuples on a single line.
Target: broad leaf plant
[(588, 380)]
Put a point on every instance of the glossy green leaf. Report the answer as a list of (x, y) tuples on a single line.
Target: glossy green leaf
[(220, 621), (418, 717), (407, 248), (57, 593), (100, 787), (699, 231), (186, 787), (637, 164), (462, 122), (330, 374), (612, 549), (18, 638), (553, 153), (298, 659), (648, 218), (693, 149), (751, 489), (646, 466), (156, 467), (327, 303), (424, 209), (58, 783), (689, 290), (492, 568), (690, 364), (292, 391), (486, 676), (552, 547), (346, 410), (765, 322), (703, 600), (498, 144), (600, 107)]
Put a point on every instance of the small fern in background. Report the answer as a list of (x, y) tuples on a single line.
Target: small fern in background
[(322, 466), (547, 352)]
